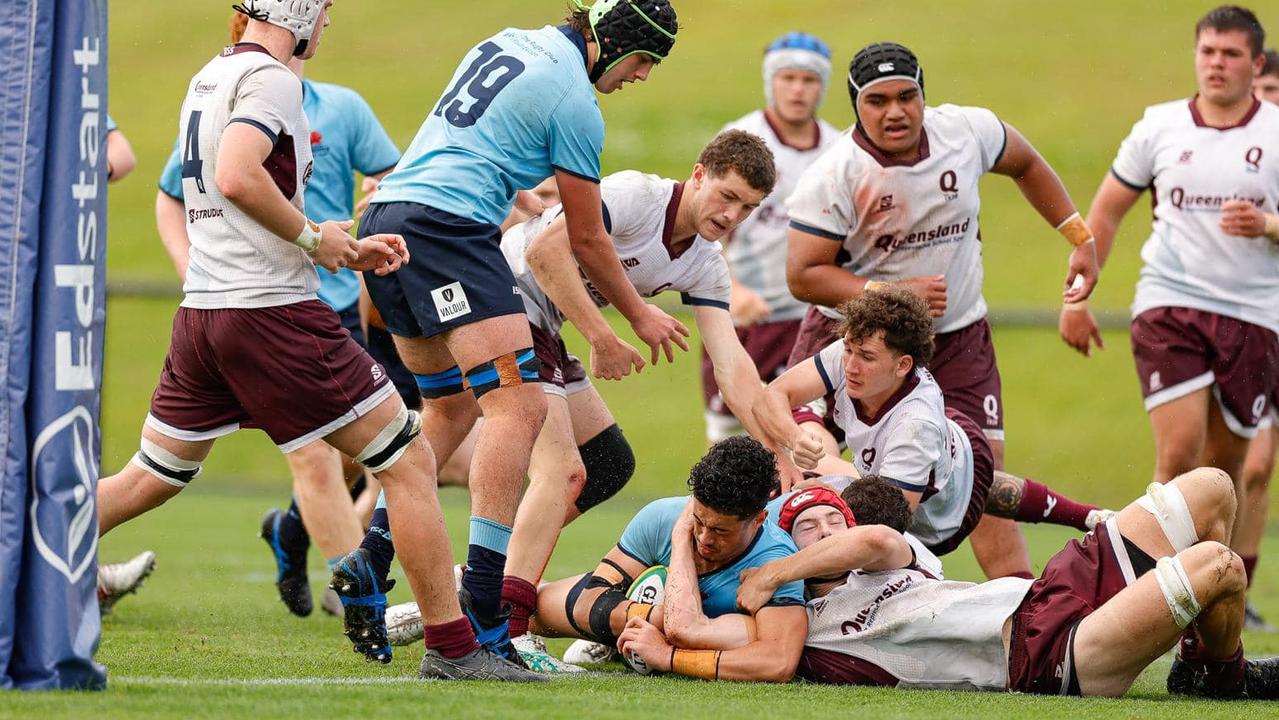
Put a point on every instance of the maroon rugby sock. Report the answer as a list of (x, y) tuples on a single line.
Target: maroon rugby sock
[(1041, 505), (522, 598), (1222, 677), (451, 639), (1249, 566)]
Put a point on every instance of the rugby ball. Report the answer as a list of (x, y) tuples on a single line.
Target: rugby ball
[(650, 588)]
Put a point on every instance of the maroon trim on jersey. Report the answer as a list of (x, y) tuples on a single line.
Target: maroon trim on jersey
[(282, 164), (833, 668), (863, 142), (1200, 122), (910, 384), (674, 250), (817, 133), (244, 47)]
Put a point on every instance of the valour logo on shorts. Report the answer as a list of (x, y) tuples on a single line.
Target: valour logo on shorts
[(450, 301)]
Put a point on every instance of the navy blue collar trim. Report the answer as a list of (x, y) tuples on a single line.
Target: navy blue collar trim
[(577, 38)]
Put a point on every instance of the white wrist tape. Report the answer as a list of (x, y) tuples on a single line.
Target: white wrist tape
[(309, 238), (1169, 507), (1272, 227), (1177, 590)]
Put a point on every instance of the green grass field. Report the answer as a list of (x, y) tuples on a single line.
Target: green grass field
[(207, 637)]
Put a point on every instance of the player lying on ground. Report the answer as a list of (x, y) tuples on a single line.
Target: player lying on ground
[(897, 201), (252, 344), (665, 233), (1102, 611), (1205, 314), (897, 426), (521, 107), (707, 541)]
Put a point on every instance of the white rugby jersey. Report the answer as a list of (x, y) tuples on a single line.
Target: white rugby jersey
[(639, 212), (899, 219), (910, 442), (235, 262), (757, 250), (924, 558), (1192, 169), (927, 633)]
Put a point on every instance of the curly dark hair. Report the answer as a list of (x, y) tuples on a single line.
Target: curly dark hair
[(898, 313), (735, 477), (875, 501), (745, 154), (1227, 18)]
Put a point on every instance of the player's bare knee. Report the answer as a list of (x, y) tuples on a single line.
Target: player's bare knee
[(1210, 493), (1216, 570)]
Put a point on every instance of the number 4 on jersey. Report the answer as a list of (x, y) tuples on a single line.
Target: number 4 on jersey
[(482, 84), (192, 165)]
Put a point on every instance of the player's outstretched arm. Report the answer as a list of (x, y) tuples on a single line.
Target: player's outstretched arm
[(171, 223), (772, 410), (1045, 192), (594, 251), (770, 657), (243, 180), (550, 257), (864, 547)]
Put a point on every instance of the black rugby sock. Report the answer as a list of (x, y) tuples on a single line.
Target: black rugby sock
[(378, 542)]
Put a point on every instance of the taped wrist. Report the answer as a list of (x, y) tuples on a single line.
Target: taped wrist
[(1272, 227), (639, 610), (702, 664), (609, 463), (873, 285), (309, 238), (1075, 230)]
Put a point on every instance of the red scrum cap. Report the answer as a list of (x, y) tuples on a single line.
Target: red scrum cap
[(812, 497)]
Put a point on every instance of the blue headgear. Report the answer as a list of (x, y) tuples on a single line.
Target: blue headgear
[(796, 51)]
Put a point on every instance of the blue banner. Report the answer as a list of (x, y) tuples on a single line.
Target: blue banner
[(56, 243)]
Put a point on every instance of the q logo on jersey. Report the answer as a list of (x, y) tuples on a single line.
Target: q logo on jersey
[(948, 183), (1253, 158), (70, 437)]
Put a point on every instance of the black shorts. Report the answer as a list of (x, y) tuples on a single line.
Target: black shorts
[(456, 275)]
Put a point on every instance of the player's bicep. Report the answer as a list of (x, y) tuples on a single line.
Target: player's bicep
[(1114, 198), (583, 209), (242, 145), (805, 249), (1018, 155)]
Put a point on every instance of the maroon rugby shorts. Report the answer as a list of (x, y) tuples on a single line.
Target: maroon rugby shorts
[(291, 370), (983, 476), (964, 367), (1181, 350), (561, 372)]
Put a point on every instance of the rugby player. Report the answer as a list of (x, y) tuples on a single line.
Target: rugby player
[(252, 344), (1204, 317), (766, 315), (899, 426), (707, 541), (1259, 462), (896, 202), (345, 137), (1156, 575), (665, 232), (120, 157), (520, 108)]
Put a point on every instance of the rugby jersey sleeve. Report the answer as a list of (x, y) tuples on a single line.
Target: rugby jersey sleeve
[(649, 532), (912, 453), (171, 175), (577, 136), (830, 365), (111, 126), (989, 132), (629, 203), (266, 99), (1134, 164), (712, 286), (822, 204), (373, 152)]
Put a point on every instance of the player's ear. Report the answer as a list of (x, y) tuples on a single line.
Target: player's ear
[(761, 517), (905, 363), (699, 175)]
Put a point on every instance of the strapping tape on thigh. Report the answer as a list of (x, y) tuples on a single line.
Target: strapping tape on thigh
[(1169, 507), (441, 384), (514, 368), (389, 444), (165, 465), (1177, 590)]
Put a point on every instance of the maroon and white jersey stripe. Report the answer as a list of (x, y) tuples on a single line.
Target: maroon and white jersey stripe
[(898, 219), (235, 262), (925, 632), (1192, 169), (757, 248)]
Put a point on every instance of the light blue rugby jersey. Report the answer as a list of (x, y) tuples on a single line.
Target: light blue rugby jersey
[(519, 107), (345, 137), (648, 539)]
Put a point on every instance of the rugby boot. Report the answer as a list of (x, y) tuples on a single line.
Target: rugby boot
[(1253, 621), (491, 632), (532, 650), (1182, 677), (481, 664), (363, 597), (589, 651), (115, 580), (290, 565), (1261, 681)]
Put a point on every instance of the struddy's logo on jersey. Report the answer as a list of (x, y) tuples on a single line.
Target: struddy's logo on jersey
[(939, 235), (451, 302), (949, 184), (1188, 201), (1253, 159), (1186, 156), (885, 204), (866, 616)]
